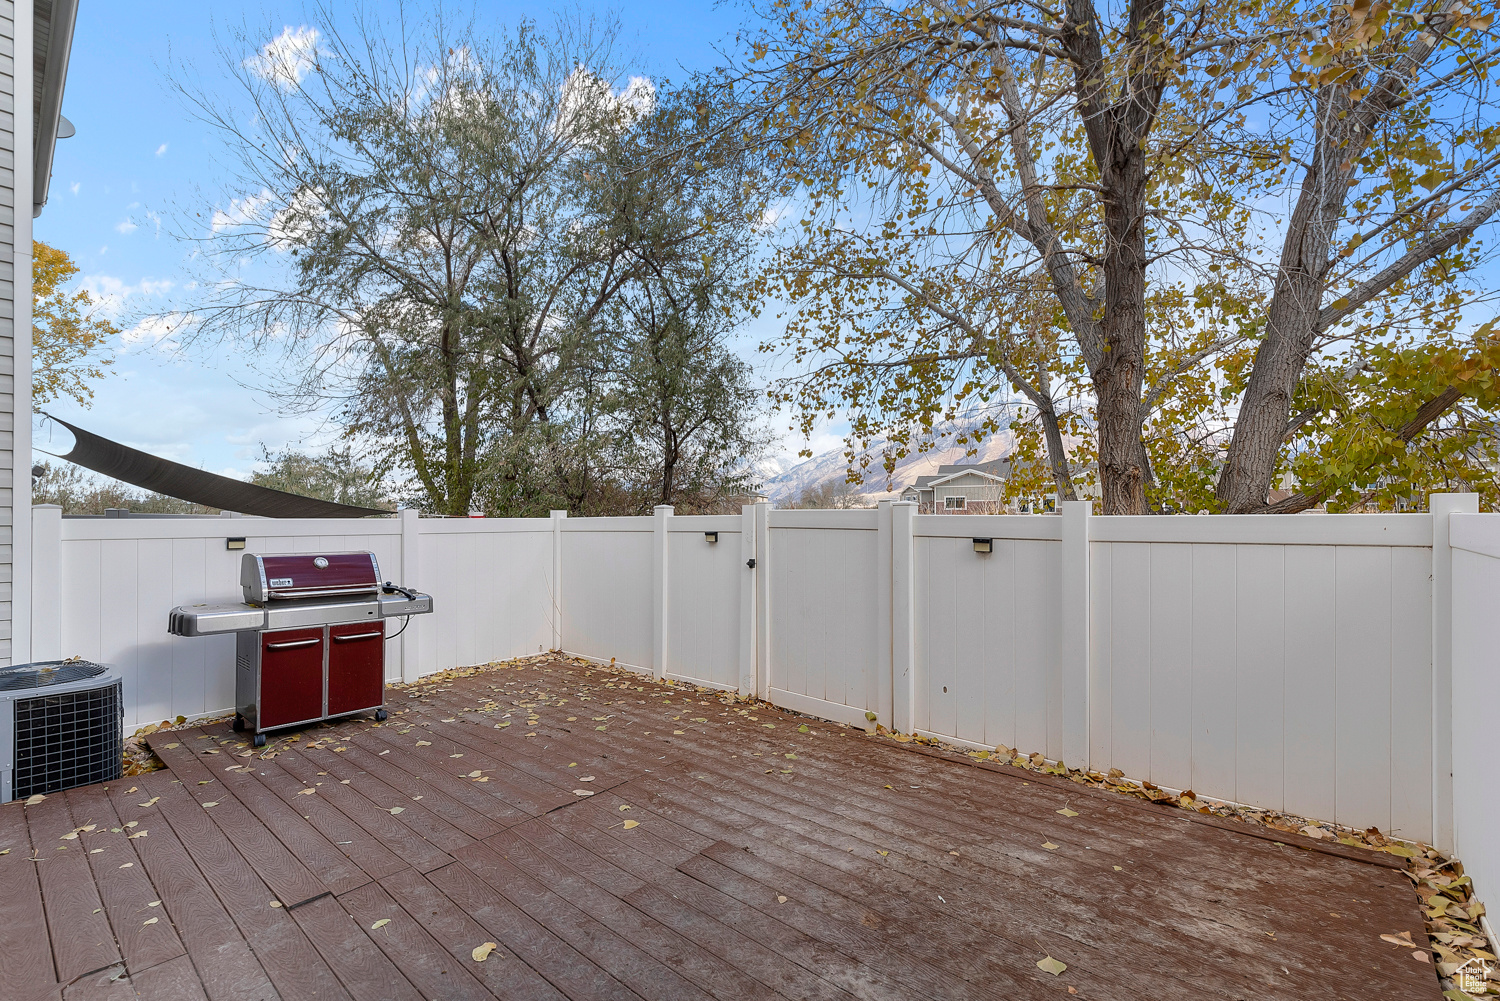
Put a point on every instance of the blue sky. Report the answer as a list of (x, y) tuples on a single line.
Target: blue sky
[(138, 157)]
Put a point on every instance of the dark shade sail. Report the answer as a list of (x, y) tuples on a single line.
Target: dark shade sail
[(196, 485)]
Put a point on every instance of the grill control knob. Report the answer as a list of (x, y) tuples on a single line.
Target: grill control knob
[(320, 563)]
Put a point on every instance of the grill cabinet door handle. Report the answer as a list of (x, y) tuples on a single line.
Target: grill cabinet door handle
[(292, 644), (358, 636)]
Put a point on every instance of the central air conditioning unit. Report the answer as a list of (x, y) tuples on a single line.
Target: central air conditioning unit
[(60, 727)]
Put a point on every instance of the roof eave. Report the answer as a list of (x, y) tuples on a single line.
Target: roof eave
[(60, 45)]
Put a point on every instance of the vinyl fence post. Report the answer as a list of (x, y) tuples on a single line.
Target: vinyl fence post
[(663, 515), (556, 612), (747, 578), (764, 562), (1441, 506), (1068, 691), (411, 576), (884, 520), (903, 618), (46, 582)]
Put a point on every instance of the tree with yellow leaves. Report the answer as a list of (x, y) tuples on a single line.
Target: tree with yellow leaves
[(67, 334), (1166, 222)]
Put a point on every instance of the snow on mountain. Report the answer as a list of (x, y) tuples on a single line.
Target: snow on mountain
[(787, 485)]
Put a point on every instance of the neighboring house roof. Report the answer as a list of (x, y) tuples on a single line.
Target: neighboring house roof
[(53, 22), (966, 471)]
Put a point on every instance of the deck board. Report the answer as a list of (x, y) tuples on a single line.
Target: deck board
[(771, 857)]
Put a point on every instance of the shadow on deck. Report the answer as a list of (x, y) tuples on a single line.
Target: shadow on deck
[(612, 838)]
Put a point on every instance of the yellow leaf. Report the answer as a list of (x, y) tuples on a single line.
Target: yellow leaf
[(1068, 813), (583, 792), (34, 799), (150, 801), (1119, 868), (397, 809), (1050, 965), (1050, 846), (212, 802), (482, 952), (424, 743), (780, 899), (149, 921), (624, 807), (306, 792), (380, 924), (632, 823), (275, 903)]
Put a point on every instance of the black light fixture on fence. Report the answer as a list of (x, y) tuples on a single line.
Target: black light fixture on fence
[(984, 545), (711, 536)]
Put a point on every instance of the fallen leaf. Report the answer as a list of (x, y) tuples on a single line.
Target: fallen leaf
[(380, 924), (582, 792), (482, 952), (212, 802), (92, 851), (1068, 813), (1402, 939), (1050, 965), (474, 774), (154, 903), (879, 852), (172, 745), (397, 809), (33, 800), (632, 823), (1119, 868), (455, 755), (624, 807), (137, 834), (150, 801), (1050, 846), (803, 729), (275, 903), (1421, 956), (780, 899), (585, 778), (306, 792), (150, 921), (128, 865), (424, 743)]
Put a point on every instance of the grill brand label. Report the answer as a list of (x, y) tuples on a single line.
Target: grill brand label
[(281, 582)]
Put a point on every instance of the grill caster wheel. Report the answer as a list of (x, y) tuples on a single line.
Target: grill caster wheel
[(260, 740), (239, 723), (381, 715)]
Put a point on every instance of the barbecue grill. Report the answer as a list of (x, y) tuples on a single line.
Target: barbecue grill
[(310, 637)]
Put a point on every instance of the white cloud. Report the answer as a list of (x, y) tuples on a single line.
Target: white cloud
[(161, 149), (298, 221), (287, 58), (126, 226), (241, 211), (586, 95), (74, 187), (110, 293)]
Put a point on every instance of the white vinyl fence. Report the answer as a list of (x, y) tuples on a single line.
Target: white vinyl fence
[(1336, 666)]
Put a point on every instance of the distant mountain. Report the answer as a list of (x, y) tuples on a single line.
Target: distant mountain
[(785, 485)]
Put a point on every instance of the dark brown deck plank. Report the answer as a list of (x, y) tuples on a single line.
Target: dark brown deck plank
[(435, 799), (82, 940), (360, 966), (222, 958), (739, 951), (285, 848), (503, 974), (629, 964), (673, 950), (25, 951), (130, 901), (564, 967), (413, 811), (288, 958), (174, 980), (432, 969), (377, 825), (361, 848), (112, 984)]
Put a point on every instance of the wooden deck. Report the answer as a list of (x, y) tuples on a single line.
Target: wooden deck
[(616, 839)]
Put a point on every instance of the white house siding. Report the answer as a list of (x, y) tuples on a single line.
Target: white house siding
[(15, 236)]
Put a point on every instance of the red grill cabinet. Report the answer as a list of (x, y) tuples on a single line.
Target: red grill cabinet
[(310, 637)]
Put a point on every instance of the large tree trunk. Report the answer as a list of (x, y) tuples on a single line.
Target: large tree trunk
[(1118, 380)]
